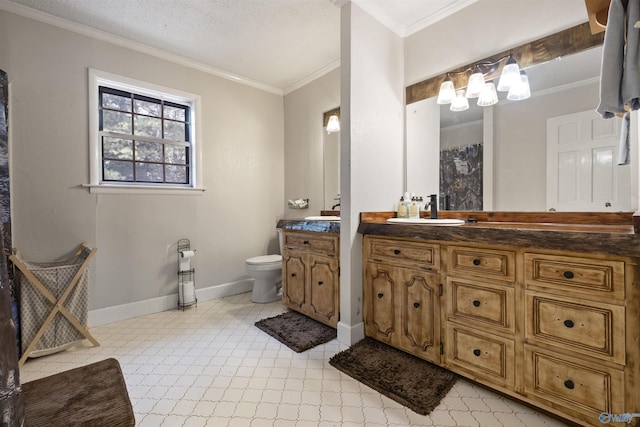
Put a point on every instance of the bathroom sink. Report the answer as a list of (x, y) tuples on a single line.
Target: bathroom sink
[(428, 221), (322, 218)]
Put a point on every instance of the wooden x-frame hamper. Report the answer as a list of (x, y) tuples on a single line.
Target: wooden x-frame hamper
[(46, 290)]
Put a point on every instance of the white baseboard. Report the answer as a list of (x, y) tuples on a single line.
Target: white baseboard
[(102, 316), (350, 334)]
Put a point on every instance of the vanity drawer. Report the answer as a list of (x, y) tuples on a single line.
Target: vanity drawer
[(593, 329), (491, 263), (480, 303), (480, 356), (587, 388), (574, 274), (425, 256), (312, 242)]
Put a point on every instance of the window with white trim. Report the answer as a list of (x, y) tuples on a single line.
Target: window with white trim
[(142, 135)]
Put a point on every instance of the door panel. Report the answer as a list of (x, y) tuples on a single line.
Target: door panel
[(582, 170)]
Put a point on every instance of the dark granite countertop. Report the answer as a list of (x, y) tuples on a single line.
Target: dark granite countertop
[(315, 226)]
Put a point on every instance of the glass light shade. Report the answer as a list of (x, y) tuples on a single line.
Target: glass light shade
[(475, 85), (447, 92), (334, 124), (510, 75), (521, 89), (460, 102), (488, 96)]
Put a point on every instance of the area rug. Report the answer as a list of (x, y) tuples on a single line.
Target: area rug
[(410, 381), (297, 331), (93, 395)]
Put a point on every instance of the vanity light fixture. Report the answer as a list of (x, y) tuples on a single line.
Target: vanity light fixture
[(460, 102), (476, 83), (520, 89), (334, 124), (447, 91), (488, 95), (478, 87)]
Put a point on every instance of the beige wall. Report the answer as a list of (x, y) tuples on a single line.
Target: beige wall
[(482, 29), (242, 156), (303, 156), (371, 143)]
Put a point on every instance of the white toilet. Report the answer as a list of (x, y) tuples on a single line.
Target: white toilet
[(267, 272)]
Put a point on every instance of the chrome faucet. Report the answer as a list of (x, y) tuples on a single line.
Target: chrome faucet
[(433, 204), (337, 204)]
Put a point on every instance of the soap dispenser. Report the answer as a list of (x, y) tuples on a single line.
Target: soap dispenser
[(402, 208), (414, 209)]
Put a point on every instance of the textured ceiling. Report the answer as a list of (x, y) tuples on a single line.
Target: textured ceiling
[(276, 43)]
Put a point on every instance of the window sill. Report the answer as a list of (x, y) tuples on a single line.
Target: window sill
[(143, 189)]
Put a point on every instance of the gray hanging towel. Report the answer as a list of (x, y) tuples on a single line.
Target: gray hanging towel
[(612, 62), (623, 148), (631, 75)]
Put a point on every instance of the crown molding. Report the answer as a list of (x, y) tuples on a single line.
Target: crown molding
[(84, 30), (311, 77)]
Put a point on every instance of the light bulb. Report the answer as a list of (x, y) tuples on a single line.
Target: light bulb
[(447, 92), (460, 102), (510, 75)]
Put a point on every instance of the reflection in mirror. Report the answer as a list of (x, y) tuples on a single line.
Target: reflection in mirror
[(526, 171), (331, 157)]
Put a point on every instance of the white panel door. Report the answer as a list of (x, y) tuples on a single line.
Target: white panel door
[(582, 170)]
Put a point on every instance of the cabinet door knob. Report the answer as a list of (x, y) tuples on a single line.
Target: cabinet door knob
[(568, 274), (320, 283), (476, 352), (476, 262), (476, 303), (380, 295), (568, 323), (569, 384), (416, 305), (396, 251)]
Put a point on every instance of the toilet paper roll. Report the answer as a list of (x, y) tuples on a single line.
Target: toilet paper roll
[(187, 292), (185, 260), (187, 254)]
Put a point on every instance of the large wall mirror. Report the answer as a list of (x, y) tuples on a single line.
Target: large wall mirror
[(331, 162), (549, 152)]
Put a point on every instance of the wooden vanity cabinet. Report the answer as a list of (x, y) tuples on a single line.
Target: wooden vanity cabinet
[(402, 295), (556, 329), (310, 275), (480, 314)]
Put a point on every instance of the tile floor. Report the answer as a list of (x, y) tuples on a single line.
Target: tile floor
[(210, 366)]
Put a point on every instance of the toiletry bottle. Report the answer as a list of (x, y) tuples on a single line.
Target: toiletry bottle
[(402, 208), (414, 210)]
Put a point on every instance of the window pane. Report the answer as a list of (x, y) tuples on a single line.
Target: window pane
[(174, 131), (116, 102), (174, 113), (148, 151), (116, 148), (147, 108), (175, 154), (148, 172), (115, 170), (114, 121), (176, 174), (148, 126)]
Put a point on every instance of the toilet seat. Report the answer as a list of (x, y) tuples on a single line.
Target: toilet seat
[(265, 260)]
